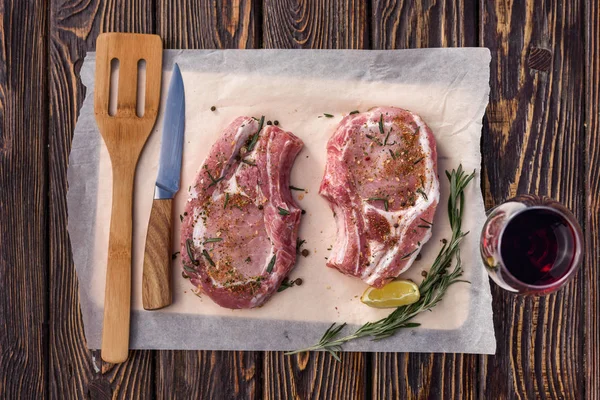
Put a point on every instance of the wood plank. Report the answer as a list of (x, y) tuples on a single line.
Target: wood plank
[(221, 24), (208, 374), (76, 372), (591, 274), (533, 131), (23, 199), (321, 24), (399, 25)]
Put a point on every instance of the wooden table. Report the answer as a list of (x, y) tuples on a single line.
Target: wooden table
[(541, 135)]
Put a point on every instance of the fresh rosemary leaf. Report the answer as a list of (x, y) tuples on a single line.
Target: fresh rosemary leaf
[(207, 256), (387, 137), (427, 222), (433, 287), (213, 240), (328, 115), (189, 270), (255, 137), (381, 124), (296, 188), (271, 264), (392, 154), (283, 211), (354, 112), (407, 255), (424, 226), (226, 200), (422, 193), (373, 138), (188, 247), (384, 199), (418, 161)]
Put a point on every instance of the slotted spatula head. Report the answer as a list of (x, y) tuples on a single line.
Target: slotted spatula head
[(125, 127), (125, 134)]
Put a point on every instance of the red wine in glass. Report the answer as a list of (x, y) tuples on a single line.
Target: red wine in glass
[(531, 245)]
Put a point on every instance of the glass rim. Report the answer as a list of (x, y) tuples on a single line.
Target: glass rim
[(576, 230)]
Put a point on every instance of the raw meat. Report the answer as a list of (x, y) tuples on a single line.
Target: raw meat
[(240, 226), (381, 182)]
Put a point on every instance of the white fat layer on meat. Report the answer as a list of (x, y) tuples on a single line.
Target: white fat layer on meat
[(380, 260), (199, 228)]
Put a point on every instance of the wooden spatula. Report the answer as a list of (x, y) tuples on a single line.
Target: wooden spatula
[(124, 134)]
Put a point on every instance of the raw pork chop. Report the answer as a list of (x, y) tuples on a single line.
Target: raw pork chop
[(238, 238), (381, 182)]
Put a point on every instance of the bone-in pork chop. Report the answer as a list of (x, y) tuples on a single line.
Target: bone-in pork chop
[(238, 238), (381, 182)]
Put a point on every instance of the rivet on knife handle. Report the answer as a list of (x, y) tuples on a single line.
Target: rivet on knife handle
[(156, 279)]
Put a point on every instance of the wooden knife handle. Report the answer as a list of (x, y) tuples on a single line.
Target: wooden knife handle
[(156, 279)]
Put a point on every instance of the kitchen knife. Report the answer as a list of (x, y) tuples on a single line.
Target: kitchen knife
[(156, 279)]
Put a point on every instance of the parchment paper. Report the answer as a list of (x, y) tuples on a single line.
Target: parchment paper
[(448, 87)]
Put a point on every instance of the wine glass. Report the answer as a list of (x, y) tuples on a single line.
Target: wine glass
[(531, 245)]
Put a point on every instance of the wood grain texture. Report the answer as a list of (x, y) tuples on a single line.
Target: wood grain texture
[(74, 371), (591, 272), (156, 275), (221, 24), (315, 375), (532, 139), (398, 25), (338, 24), (208, 374), (23, 202), (320, 24)]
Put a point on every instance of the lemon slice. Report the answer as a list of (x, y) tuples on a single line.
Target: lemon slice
[(394, 294)]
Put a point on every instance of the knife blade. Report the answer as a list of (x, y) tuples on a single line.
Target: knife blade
[(156, 277)]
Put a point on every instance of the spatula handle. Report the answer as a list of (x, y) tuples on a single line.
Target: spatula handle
[(117, 300), (156, 279)]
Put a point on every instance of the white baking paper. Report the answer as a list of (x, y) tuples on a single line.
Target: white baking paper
[(448, 88)]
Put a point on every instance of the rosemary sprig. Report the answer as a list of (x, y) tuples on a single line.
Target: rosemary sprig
[(283, 211), (427, 222), (271, 264), (226, 200), (385, 142), (373, 138), (432, 288), (207, 256), (386, 202), (381, 124), (213, 179), (188, 248), (255, 137), (213, 240)]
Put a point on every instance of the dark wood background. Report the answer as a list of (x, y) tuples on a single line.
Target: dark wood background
[(541, 135)]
